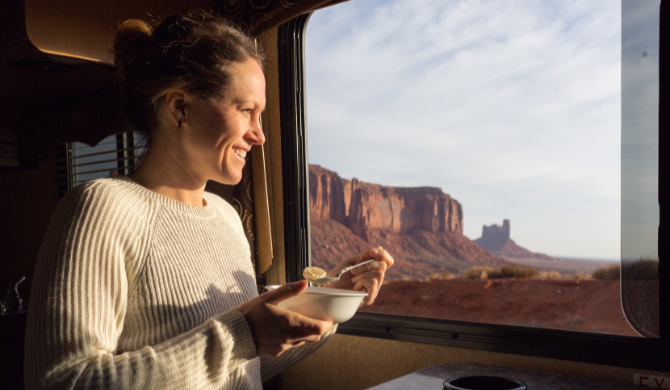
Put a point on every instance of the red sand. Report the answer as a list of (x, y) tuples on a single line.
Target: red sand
[(585, 306)]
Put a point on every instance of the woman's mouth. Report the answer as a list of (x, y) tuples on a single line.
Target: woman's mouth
[(241, 153)]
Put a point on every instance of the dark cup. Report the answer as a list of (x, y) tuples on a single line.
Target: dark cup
[(483, 382)]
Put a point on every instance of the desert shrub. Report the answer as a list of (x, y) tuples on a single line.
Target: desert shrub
[(435, 276), (514, 271), (580, 275), (643, 269), (611, 272), (477, 272), (552, 275), (446, 275)]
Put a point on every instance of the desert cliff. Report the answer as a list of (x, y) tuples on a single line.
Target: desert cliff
[(362, 206), (421, 226)]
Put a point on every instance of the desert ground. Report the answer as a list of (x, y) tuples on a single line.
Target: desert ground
[(576, 305)]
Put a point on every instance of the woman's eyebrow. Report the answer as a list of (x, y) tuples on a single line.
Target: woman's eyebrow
[(241, 102)]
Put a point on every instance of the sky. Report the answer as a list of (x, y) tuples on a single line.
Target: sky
[(511, 107)]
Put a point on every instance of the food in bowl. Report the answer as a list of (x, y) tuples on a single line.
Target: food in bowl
[(313, 273), (325, 304)]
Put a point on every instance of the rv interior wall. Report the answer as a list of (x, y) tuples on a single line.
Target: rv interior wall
[(341, 365), (78, 27), (28, 198)]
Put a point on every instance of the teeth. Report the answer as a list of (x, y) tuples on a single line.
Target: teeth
[(240, 152)]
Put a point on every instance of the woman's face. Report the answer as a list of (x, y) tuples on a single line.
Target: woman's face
[(221, 131)]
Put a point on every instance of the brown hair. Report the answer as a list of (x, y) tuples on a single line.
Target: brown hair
[(191, 51)]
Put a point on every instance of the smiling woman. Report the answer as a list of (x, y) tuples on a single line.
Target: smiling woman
[(199, 105), (145, 281), (200, 140)]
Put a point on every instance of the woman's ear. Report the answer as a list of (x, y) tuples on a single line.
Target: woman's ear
[(176, 105)]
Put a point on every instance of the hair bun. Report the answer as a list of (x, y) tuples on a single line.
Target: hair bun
[(132, 36)]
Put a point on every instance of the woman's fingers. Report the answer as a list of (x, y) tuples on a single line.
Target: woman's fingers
[(372, 274), (377, 253), (385, 257), (297, 326), (371, 286), (383, 261), (276, 330), (372, 266), (368, 277), (284, 292), (300, 325)]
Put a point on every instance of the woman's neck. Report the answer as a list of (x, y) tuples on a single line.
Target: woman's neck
[(162, 173)]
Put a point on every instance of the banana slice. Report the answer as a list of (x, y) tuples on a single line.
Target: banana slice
[(313, 273)]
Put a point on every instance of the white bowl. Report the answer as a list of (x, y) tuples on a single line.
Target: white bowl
[(324, 304)]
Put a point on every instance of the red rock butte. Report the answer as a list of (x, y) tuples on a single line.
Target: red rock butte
[(494, 237), (496, 240), (422, 226), (360, 206)]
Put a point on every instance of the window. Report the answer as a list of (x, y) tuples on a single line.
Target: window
[(492, 134), (639, 166), (598, 151), (115, 155)]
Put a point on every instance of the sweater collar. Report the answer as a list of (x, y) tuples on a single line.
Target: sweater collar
[(204, 211)]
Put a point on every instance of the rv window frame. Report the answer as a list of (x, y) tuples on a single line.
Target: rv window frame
[(622, 351)]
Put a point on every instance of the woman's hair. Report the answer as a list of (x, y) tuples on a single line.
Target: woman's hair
[(192, 51)]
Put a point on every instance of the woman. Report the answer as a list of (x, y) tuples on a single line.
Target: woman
[(146, 281)]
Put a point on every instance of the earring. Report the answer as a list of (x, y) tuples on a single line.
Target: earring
[(179, 124)]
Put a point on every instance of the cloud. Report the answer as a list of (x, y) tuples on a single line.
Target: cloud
[(512, 107)]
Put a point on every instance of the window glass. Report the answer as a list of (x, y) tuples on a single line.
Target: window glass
[(480, 142), (639, 165), (115, 155)]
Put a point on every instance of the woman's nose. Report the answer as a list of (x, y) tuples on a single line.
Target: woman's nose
[(257, 136), (260, 137)]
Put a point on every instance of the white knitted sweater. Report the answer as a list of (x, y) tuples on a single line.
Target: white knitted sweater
[(135, 290)]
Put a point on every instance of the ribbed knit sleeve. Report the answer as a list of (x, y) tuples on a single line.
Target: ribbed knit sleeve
[(93, 260)]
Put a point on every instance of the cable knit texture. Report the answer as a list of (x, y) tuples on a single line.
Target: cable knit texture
[(135, 290)]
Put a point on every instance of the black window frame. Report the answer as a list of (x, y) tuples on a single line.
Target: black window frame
[(621, 351)]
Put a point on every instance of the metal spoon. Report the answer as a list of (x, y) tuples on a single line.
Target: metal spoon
[(327, 280)]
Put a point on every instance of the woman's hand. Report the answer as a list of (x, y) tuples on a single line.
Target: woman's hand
[(368, 277), (276, 330)]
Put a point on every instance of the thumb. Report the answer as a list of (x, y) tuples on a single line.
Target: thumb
[(286, 291)]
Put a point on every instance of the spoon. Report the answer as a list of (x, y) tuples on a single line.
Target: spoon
[(327, 280)]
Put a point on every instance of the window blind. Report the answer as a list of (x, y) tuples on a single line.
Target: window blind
[(116, 155)]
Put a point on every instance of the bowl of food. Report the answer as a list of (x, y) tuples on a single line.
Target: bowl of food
[(325, 304)]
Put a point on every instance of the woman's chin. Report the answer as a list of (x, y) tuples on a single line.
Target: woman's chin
[(231, 179)]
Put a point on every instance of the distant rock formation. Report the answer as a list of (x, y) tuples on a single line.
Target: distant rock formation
[(421, 227), (494, 237), (496, 240), (360, 206)]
